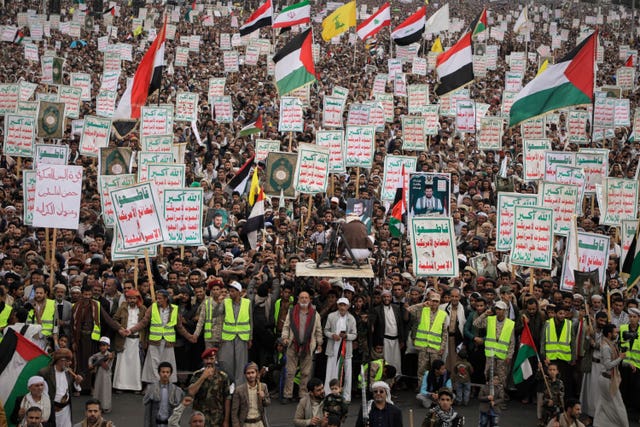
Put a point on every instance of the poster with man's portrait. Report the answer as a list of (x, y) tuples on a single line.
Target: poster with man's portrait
[(485, 265), (479, 49), (217, 221), (429, 194), (362, 208), (587, 283)]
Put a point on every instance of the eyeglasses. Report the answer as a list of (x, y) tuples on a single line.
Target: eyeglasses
[(379, 391)]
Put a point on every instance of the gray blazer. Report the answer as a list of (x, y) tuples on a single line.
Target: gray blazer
[(330, 328)]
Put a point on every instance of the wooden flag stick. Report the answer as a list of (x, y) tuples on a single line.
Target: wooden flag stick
[(609, 305), (149, 276), (52, 272), (410, 417), (136, 272), (532, 279), (309, 209), (290, 141), (46, 243), (357, 181)]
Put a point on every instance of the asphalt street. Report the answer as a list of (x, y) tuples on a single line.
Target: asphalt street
[(128, 411)]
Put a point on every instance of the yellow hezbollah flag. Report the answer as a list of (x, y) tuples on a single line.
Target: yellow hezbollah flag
[(543, 67), (339, 21), (437, 46), (254, 189), (137, 31)]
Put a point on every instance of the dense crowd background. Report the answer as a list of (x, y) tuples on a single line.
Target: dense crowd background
[(225, 266)]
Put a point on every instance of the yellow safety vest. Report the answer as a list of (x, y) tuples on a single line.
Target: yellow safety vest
[(240, 326), (168, 331), (377, 376), (47, 317), (558, 348), (4, 315), (633, 354), (498, 347), (430, 336), (208, 319)]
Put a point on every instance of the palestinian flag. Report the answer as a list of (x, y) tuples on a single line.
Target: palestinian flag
[(19, 37), (262, 17), (567, 83), (239, 181), (631, 263), (187, 16), (629, 62), (20, 359), (296, 14), (294, 64), (399, 210), (381, 18), (522, 368), (479, 24), (255, 221), (455, 66), (111, 10), (252, 128), (410, 31)]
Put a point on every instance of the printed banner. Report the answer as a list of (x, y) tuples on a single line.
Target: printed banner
[(534, 158), (106, 183), (183, 216), (95, 135), (19, 135), (51, 154), (433, 244), (506, 216), (563, 199), (57, 196), (532, 244), (360, 145), (592, 254), (312, 169), (279, 177), (392, 178), (333, 140)]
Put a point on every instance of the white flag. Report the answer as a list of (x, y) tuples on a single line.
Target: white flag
[(521, 21)]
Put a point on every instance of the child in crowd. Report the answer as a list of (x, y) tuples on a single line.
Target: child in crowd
[(334, 403)]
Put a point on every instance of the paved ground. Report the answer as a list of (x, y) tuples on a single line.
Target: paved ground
[(128, 411)]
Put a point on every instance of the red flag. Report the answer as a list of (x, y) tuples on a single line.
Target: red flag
[(629, 62)]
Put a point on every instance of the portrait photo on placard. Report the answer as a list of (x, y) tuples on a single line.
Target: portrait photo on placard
[(429, 194), (485, 265), (362, 208)]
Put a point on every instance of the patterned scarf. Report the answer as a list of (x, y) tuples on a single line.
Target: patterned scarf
[(302, 343), (442, 418)]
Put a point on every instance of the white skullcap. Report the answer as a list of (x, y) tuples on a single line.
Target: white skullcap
[(633, 310)]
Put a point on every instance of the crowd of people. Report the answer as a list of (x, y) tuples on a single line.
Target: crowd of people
[(226, 329)]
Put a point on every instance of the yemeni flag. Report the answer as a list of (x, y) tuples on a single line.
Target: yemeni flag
[(522, 368), (567, 83), (253, 127), (296, 14), (20, 359), (479, 24), (262, 17), (255, 221), (371, 26), (239, 181), (410, 31), (455, 66), (399, 210), (146, 80), (294, 64)]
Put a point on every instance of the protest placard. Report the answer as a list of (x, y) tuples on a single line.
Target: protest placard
[(19, 135), (51, 154), (506, 218), (183, 216), (95, 134), (360, 145), (290, 115), (106, 183), (433, 244), (57, 196), (534, 150), (532, 243), (392, 178), (563, 199), (312, 169)]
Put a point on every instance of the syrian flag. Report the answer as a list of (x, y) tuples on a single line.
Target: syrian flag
[(255, 221), (380, 19), (146, 80), (522, 368), (239, 181), (399, 210), (294, 64), (566, 83), (629, 62), (252, 128), (455, 66), (262, 17), (296, 14), (479, 24), (410, 31), (20, 359)]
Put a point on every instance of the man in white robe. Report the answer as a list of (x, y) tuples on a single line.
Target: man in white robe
[(128, 372)]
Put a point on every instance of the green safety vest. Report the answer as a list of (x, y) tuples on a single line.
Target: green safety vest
[(47, 317), (376, 377), (430, 336), (633, 354), (4, 315), (558, 348), (168, 331), (233, 327), (208, 319), (276, 310), (498, 347)]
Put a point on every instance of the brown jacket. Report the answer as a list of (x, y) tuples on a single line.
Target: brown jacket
[(122, 317), (147, 319), (240, 405)]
